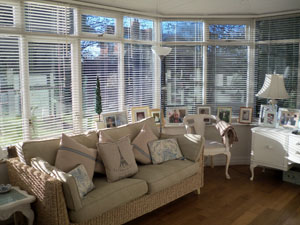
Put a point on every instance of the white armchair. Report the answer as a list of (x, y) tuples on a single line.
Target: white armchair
[(195, 124)]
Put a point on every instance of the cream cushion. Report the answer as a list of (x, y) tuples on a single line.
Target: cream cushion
[(70, 189), (107, 196), (118, 159), (140, 145), (161, 176), (71, 154)]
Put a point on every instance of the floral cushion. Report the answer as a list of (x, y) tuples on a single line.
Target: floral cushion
[(164, 150), (84, 183)]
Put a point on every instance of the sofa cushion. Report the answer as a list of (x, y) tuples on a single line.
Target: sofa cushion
[(131, 129), (118, 159), (71, 154), (47, 148), (107, 196), (140, 145), (70, 189), (164, 150), (161, 176)]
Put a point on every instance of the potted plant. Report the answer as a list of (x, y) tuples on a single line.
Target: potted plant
[(98, 108)]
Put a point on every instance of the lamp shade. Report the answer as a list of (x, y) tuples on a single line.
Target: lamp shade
[(273, 87), (161, 51)]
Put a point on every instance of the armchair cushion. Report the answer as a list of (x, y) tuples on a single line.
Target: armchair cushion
[(191, 145)]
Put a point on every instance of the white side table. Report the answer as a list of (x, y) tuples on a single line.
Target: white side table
[(16, 200)]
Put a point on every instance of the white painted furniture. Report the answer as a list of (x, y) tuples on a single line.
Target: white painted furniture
[(196, 124), (275, 148), (16, 200)]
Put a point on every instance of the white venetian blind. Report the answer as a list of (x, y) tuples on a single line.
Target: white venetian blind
[(6, 15), (280, 57), (98, 24), (99, 59), (184, 77), (227, 77), (48, 18), (50, 88), (10, 93), (139, 76)]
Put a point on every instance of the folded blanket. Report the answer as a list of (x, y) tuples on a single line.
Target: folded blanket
[(225, 128)]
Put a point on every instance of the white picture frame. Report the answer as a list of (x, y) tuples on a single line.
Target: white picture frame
[(204, 110), (114, 119), (288, 118), (270, 119), (175, 115)]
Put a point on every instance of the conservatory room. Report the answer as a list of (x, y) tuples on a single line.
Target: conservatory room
[(150, 112)]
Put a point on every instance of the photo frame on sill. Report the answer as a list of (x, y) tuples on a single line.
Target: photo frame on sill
[(270, 119), (114, 119), (245, 116), (289, 118), (155, 113), (139, 113), (224, 113), (175, 115), (204, 110)]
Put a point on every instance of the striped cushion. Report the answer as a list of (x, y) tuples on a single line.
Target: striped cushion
[(70, 154)]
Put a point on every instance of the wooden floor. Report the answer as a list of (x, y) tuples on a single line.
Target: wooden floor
[(265, 201)]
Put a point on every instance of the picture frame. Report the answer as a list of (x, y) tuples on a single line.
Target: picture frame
[(155, 113), (115, 119), (175, 115), (288, 118), (264, 109), (204, 110), (245, 116), (139, 113), (270, 119), (224, 113)]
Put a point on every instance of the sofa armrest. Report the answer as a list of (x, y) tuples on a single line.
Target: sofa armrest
[(50, 206), (191, 145)]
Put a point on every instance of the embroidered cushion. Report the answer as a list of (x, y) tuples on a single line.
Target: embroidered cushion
[(84, 183), (118, 159), (164, 150), (70, 154), (140, 145), (70, 189)]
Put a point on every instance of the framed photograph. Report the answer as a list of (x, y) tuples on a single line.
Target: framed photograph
[(264, 109), (204, 110), (155, 113), (114, 119), (224, 113), (139, 113), (288, 118), (175, 115), (245, 115), (270, 119)]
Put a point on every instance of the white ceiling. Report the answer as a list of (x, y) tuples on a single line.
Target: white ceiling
[(202, 7)]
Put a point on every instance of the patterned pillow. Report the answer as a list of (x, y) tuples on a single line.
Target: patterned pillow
[(84, 183), (118, 159), (164, 150), (71, 153), (140, 147), (70, 189)]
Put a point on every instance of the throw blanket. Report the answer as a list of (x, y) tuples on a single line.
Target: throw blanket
[(224, 128)]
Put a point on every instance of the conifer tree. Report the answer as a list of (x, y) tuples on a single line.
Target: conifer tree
[(98, 107)]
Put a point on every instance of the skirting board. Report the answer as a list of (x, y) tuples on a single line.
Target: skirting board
[(220, 160)]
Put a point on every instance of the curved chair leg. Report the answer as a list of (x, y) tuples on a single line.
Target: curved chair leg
[(228, 156)]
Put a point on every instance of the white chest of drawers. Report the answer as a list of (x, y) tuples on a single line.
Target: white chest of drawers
[(275, 148)]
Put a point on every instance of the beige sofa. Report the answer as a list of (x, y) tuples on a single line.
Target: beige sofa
[(109, 203)]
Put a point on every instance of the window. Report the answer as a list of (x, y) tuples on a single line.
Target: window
[(48, 18), (6, 15), (98, 24), (184, 77), (181, 31), (50, 88), (139, 75), (138, 29), (99, 59), (227, 31), (10, 91), (227, 75)]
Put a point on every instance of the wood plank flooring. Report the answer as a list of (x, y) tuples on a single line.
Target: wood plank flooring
[(265, 201)]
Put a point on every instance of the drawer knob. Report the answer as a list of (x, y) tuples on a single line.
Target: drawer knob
[(269, 147), (298, 153), (298, 143)]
